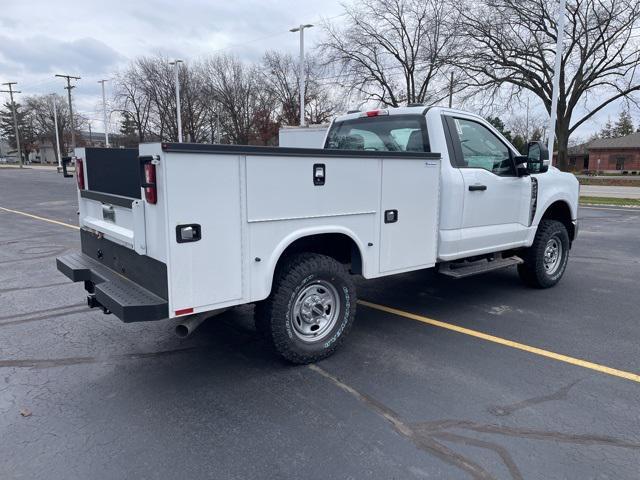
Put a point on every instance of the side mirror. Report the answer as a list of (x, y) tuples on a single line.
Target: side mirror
[(521, 162), (537, 157)]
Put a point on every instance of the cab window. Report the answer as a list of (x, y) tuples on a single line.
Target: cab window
[(479, 147), (391, 133)]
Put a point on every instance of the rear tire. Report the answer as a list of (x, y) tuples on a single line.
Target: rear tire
[(546, 260), (311, 308)]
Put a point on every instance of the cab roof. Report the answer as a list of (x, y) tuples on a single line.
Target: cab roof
[(410, 110)]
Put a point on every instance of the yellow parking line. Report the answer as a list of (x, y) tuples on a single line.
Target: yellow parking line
[(448, 326), (56, 222), (503, 341)]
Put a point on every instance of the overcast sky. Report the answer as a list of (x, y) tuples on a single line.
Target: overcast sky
[(93, 39)]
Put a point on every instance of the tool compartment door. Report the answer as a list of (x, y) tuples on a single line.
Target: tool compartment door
[(204, 191), (409, 214)]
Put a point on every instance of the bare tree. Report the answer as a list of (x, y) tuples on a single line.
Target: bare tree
[(37, 125), (282, 76), (145, 95), (194, 106), (222, 99), (525, 125), (394, 51), (131, 99), (158, 83), (39, 110), (238, 88), (511, 45)]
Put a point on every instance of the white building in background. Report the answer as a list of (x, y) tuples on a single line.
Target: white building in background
[(4, 148), (7, 153), (44, 153)]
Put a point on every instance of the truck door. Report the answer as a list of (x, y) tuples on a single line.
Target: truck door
[(496, 201)]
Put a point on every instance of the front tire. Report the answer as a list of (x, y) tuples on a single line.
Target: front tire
[(546, 260), (311, 308)]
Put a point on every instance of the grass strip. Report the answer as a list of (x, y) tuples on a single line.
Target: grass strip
[(617, 202)]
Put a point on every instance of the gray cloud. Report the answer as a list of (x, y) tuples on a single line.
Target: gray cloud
[(39, 38), (44, 54), (86, 38)]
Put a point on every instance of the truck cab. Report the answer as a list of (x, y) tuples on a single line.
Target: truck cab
[(491, 200)]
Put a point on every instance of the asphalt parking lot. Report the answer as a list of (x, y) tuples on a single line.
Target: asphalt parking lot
[(515, 383)]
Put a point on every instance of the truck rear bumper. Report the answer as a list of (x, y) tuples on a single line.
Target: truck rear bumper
[(124, 298)]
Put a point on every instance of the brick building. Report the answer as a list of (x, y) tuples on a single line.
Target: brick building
[(615, 154)]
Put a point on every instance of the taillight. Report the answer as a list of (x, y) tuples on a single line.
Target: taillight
[(80, 173), (150, 190)]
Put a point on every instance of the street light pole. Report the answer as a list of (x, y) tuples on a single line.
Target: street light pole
[(301, 81), (176, 62), (55, 125), (556, 76), (104, 115)]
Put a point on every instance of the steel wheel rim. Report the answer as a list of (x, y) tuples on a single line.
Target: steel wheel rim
[(315, 311), (552, 255)]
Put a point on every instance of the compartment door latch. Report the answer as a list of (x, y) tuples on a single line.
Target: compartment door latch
[(390, 216), (188, 233), (319, 171)]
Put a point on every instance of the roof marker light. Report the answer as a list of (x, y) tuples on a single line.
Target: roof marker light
[(375, 113)]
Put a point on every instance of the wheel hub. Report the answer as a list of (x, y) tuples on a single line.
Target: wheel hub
[(315, 311), (552, 255)]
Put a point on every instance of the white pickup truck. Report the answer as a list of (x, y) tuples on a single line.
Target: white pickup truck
[(187, 230)]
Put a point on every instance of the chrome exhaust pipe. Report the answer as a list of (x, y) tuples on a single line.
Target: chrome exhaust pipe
[(189, 324)]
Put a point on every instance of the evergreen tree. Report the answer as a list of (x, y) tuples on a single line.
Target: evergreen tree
[(520, 143), (624, 125), (6, 123), (7, 130), (498, 124), (128, 125), (608, 130)]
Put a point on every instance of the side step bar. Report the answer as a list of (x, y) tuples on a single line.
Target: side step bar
[(468, 269)]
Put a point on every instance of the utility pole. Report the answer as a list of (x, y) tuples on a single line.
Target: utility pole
[(71, 119), (176, 63), (556, 77), (11, 91), (451, 91), (301, 80), (55, 124), (104, 114)]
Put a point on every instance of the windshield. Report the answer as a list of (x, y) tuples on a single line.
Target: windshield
[(391, 133)]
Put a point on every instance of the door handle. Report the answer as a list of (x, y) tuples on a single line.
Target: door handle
[(477, 188)]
